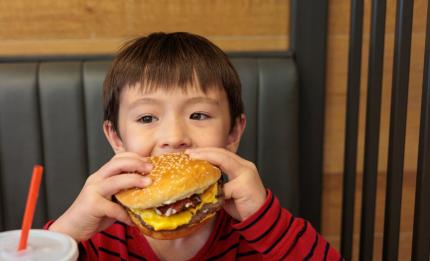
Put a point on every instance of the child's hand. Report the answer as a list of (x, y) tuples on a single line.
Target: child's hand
[(244, 192), (93, 210)]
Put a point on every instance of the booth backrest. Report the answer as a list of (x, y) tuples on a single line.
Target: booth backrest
[(51, 114)]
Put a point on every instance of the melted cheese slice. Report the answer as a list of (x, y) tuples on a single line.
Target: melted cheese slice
[(159, 222)]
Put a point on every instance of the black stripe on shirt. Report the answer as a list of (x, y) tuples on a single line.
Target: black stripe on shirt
[(268, 230), (282, 236), (326, 250), (296, 239), (224, 252), (224, 237), (81, 249), (260, 216), (249, 253), (110, 252), (311, 253), (121, 224), (114, 237), (93, 247), (136, 256)]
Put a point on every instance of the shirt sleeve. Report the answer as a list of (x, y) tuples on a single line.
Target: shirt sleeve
[(48, 224), (278, 235)]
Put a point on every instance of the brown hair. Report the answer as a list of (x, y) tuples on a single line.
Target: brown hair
[(165, 60)]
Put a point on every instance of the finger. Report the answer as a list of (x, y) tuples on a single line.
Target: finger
[(115, 211), (230, 163), (129, 154), (115, 184), (124, 165)]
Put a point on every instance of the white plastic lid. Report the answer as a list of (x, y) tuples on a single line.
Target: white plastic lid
[(41, 245)]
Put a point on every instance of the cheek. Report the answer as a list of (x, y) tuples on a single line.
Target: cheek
[(211, 137), (139, 143)]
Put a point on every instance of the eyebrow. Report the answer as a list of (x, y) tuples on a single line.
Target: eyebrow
[(194, 100), (203, 100), (144, 101)]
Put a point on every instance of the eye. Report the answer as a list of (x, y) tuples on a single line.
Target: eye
[(198, 116), (147, 119)]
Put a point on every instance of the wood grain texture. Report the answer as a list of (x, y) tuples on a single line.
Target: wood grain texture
[(99, 27), (337, 69), (339, 11), (332, 211)]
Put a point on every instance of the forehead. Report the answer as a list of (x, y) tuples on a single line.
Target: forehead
[(173, 94)]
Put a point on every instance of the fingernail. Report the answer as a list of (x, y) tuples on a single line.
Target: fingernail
[(146, 181), (149, 166)]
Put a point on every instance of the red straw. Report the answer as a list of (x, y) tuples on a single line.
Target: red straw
[(30, 206)]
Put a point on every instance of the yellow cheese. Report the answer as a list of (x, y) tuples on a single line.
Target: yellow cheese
[(159, 222)]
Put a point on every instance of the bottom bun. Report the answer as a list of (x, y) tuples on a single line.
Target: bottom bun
[(170, 234)]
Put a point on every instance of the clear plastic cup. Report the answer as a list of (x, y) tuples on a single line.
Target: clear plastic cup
[(41, 245)]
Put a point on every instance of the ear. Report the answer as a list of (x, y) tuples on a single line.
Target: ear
[(235, 134), (113, 137)]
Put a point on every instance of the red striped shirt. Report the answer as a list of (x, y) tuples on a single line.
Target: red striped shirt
[(272, 233)]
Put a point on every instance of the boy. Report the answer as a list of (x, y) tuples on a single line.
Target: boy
[(179, 92)]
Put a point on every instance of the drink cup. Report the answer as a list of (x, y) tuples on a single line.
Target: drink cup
[(41, 245)]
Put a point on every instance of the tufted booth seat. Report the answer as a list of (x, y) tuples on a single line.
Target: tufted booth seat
[(51, 114)]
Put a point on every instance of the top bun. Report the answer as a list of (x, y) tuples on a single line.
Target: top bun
[(174, 177)]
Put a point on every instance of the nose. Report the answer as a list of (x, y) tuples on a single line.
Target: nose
[(174, 135)]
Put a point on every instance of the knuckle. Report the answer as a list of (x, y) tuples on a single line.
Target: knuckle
[(229, 160), (134, 179), (118, 156), (250, 166), (90, 180)]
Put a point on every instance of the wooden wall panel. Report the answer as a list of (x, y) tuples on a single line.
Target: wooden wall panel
[(336, 101), (98, 27), (332, 206), (339, 16)]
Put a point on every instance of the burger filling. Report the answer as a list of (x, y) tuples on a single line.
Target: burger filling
[(174, 215), (178, 206)]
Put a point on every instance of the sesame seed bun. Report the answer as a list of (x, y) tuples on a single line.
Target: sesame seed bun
[(174, 177)]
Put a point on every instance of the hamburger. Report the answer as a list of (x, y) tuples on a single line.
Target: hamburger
[(185, 194)]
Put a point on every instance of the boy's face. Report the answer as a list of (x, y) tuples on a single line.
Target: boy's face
[(158, 122)]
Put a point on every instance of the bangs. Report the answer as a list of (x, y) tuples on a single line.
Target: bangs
[(170, 62)]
